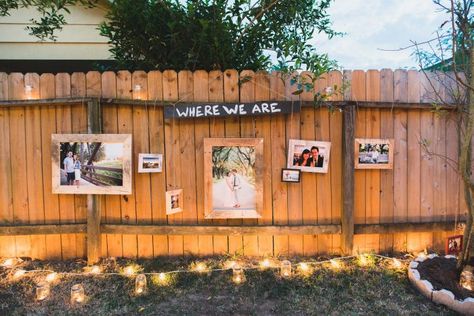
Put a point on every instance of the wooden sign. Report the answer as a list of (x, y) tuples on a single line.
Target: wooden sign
[(231, 109)]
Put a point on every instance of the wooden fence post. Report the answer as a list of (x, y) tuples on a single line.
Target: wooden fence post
[(94, 124), (347, 220)]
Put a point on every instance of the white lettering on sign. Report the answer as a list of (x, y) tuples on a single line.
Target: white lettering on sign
[(207, 110), (256, 109), (274, 110), (230, 110), (265, 108), (184, 113), (215, 110), (242, 110)]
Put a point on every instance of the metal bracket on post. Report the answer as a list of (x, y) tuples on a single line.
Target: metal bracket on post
[(94, 126), (347, 220)]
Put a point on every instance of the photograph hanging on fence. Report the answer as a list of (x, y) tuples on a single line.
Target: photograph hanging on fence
[(308, 155), (174, 201), (454, 245), (91, 163), (233, 177), (290, 175), (373, 153), (150, 163)]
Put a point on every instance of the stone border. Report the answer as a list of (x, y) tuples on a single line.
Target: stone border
[(443, 296)]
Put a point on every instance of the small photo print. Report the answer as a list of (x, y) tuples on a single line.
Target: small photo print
[(174, 201), (150, 163), (454, 245), (290, 175), (373, 153), (308, 155)]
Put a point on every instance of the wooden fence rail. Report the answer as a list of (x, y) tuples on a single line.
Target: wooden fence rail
[(413, 206)]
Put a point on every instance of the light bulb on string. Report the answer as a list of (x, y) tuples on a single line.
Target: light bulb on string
[(335, 264), (304, 268), (51, 277), (199, 267), (18, 274), (129, 270), (265, 264), (397, 264)]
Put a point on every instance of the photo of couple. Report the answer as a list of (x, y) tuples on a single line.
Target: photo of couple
[(308, 156), (233, 175)]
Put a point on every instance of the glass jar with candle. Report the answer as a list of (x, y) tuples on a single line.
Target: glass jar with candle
[(77, 294), (42, 291), (285, 269), (238, 275), (140, 284)]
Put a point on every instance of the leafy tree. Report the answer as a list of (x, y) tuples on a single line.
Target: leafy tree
[(201, 34), (453, 55)]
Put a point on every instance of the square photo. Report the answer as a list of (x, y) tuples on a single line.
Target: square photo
[(308, 155), (373, 153), (150, 163)]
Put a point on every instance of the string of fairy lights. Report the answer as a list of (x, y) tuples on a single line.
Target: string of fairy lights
[(285, 268)]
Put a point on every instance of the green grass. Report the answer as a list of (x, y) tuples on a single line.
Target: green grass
[(375, 290)]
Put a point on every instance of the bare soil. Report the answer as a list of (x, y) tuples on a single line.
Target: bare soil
[(441, 272)]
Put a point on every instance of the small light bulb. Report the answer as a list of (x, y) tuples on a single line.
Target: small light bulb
[(229, 264), (305, 268), (18, 274), (335, 264), (51, 277), (129, 271), (265, 264), (95, 270), (162, 277), (8, 263), (200, 267)]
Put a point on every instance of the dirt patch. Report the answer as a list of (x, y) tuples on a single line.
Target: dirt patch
[(441, 272)]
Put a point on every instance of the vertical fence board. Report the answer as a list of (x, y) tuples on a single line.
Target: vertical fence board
[(386, 176), (358, 92), (323, 193), (335, 164), (111, 206), (125, 126), (157, 145), (279, 152), (173, 156), (201, 131), (263, 130), (140, 144), (217, 129)]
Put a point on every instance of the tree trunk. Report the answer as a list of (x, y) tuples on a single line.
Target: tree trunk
[(465, 156)]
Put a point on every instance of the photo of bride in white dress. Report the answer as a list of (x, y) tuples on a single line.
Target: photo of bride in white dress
[(234, 178)]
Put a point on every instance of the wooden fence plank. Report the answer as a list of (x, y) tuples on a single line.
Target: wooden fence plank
[(173, 156), (157, 145), (386, 176), (232, 129), (140, 144), (372, 212), (217, 129), (111, 207), (201, 131), (324, 206), (358, 92), (66, 201), (125, 126), (279, 152)]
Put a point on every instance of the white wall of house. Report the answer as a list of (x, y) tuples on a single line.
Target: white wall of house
[(79, 39)]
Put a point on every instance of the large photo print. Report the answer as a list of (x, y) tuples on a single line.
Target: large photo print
[(373, 153), (91, 164), (308, 155), (233, 177)]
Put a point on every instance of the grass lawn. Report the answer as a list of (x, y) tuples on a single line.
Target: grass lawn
[(352, 290)]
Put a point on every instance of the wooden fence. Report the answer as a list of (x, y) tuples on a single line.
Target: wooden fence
[(411, 207)]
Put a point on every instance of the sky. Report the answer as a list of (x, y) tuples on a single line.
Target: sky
[(371, 25)]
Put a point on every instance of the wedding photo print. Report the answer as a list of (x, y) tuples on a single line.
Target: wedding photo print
[(373, 153), (308, 155), (91, 164), (233, 180), (150, 163), (290, 175), (174, 201)]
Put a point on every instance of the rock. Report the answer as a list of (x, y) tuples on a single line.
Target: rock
[(413, 275), (444, 297), (432, 255), (450, 257), (425, 287), (413, 265), (465, 307)]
